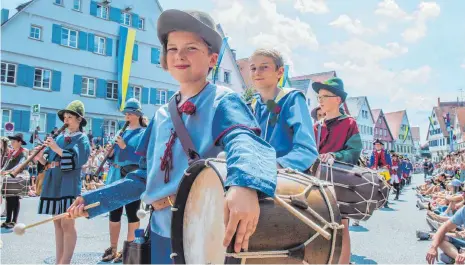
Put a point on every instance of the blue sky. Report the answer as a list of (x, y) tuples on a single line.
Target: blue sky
[(400, 54)]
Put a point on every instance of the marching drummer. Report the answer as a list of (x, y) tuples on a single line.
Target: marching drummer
[(281, 112), (216, 120), (380, 159), (16, 157), (124, 160), (338, 138), (62, 181)]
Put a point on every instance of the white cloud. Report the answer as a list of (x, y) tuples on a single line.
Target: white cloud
[(311, 6), (425, 12), (391, 9), (353, 26), (265, 29), (463, 65)]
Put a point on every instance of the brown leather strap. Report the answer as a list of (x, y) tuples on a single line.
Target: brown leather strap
[(181, 131), (163, 203)]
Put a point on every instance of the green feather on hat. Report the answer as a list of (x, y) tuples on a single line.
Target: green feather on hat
[(76, 107)]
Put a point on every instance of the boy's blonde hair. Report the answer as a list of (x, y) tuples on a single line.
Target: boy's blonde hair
[(270, 53)]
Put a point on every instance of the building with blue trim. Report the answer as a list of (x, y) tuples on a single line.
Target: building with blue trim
[(57, 51)]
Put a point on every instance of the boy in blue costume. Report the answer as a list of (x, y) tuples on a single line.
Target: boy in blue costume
[(282, 113), (124, 160), (216, 119), (62, 181)]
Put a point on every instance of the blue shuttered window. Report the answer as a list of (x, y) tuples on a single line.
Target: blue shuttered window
[(157, 97), (109, 47), (56, 34), (135, 21), (82, 41), (25, 120), (145, 95), (121, 124), (56, 80), (155, 57), (90, 42), (16, 119), (77, 86), (153, 95), (115, 14), (135, 52), (51, 121), (97, 127), (25, 76), (93, 8), (101, 88), (170, 94)]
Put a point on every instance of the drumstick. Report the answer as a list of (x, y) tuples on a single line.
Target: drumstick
[(20, 228), (303, 218)]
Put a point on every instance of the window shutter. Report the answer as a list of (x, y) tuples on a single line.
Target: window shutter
[(90, 42), (26, 120), (153, 95), (130, 93), (25, 75), (155, 58), (56, 34), (51, 121), (101, 88), (82, 45), (97, 130), (56, 80), (77, 86), (93, 8), (135, 52), (170, 94), (16, 119), (157, 98), (145, 95), (115, 14), (121, 124), (109, 46), (135, 21)]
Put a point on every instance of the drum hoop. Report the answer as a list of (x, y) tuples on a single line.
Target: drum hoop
[(182, 194)]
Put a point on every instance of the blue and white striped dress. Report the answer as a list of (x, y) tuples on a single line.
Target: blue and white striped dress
[(62, 184)]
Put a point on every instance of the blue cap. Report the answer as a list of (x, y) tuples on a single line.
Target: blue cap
[(139, 233), (455, 183), (133, 106)]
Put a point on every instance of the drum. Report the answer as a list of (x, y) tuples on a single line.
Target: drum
[(301, 224), (17, 186), (357, 189)]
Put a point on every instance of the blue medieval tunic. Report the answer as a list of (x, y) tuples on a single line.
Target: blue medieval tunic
[(62, 184), (124, 157), (221, 122), (288, 128)]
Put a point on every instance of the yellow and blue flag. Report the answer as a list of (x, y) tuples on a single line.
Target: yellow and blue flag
[(220, 57), (127, 38)]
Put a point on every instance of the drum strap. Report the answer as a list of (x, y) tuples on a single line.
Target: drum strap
[(318, 137), (181, 131)]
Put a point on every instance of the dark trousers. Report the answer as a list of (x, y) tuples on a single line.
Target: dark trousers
[(397, 187), (12, 209)]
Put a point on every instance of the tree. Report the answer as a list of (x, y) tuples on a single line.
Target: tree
[(248, 94)]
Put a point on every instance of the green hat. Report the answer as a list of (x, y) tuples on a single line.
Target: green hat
[(76, 108), (333, 85)]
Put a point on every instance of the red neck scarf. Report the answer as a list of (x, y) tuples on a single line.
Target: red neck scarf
[(15, 153)]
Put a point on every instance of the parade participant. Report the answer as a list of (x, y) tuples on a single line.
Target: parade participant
[(408, 171), (337, 138), (395, 179), (381, 159), (62, 181), (216, 120), (16, 157), (124, 160), (4, 151), (281, 112), (317, 114)]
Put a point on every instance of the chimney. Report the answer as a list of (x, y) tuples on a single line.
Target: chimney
[(439, 102), (234, 53), (4, 15)]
